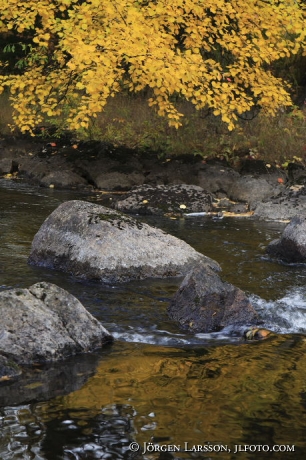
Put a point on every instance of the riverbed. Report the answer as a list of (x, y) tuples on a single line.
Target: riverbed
[(157, 389)]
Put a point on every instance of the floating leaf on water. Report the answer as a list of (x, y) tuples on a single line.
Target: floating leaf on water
[(249, 335), (257, 334), (33, 385)]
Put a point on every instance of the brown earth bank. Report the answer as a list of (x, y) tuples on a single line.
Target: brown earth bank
[(145, 183)]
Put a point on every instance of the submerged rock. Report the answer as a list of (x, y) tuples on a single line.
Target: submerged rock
[(204, 303), (95, 242), (46, 323), (291, 246)]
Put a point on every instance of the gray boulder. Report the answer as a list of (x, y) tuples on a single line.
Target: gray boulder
[(64, 179), (252, 190), (291, 246), (217, 178), (8, 165), (290, 203), (118, 180), (163, 199), (46, 323), (204, 303), (95, 242), (53, 170)]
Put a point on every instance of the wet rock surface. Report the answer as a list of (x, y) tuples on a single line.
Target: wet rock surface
[(252, 190), (291, 246), (9, 370), (291, 202), (217, 178), (204, 303), (45, 323), (95, 242), (161, 199)]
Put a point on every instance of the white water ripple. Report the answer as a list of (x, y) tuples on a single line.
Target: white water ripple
[(155, 336), (285, 315)]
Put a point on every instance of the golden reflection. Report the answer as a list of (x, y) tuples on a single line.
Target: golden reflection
[(215, 394)]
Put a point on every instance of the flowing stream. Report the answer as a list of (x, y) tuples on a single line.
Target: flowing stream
[(175, 395)]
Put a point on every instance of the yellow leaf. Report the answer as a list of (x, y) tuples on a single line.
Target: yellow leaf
[(114, 46)]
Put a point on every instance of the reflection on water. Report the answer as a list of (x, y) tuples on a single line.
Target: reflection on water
[(156, 383), (223, 395)]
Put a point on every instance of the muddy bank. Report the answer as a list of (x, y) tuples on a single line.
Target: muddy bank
[(121, 175)]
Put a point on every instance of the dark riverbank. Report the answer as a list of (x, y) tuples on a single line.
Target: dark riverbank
[(252, 188)]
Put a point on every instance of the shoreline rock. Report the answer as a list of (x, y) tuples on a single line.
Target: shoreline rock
[(291, 246), (96, 165), (161, 200)]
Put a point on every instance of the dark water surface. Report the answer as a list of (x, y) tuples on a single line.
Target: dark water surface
[(157, 384)]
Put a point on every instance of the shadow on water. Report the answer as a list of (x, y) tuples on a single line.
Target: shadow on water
[(156, 383), (50, 380)]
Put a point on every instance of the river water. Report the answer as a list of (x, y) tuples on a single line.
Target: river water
[(176, 395)]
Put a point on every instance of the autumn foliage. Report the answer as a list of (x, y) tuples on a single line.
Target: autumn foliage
[(213, 53)]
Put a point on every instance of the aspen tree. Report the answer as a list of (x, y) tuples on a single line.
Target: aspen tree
[(213, 53)]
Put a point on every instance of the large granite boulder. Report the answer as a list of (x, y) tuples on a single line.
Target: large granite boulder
[(95, 242), (45, 323), (291, 246), (205, 303), (163, 199)]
